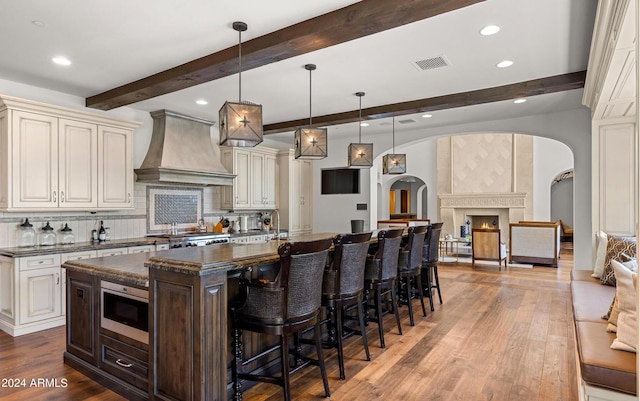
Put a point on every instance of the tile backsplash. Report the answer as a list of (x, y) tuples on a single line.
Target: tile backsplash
[(123, 224)]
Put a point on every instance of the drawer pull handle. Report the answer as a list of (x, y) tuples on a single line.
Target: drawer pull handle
[(123, 364)]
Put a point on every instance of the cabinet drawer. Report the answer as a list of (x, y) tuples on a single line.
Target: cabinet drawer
[(39, 262), (112, 252), (77, 255), (124, 361), (142, 248)]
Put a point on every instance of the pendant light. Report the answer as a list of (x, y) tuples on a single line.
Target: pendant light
[(310, 143), (394, 163), (360, 154), (240, 122)]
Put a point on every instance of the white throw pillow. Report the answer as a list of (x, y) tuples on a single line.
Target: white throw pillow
[(627, 333), (601, 254)]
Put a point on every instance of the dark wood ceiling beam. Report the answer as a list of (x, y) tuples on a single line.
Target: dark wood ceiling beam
[(352, 22), (558, 83)]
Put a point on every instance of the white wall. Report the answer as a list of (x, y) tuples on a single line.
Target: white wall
[(572, 128), (550, 158)]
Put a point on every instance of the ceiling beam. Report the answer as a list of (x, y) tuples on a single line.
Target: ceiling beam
[(541, 86), (355, 21)]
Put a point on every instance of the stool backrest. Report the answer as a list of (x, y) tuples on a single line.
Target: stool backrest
[(301, 268), (388, 250), (414, 246), (432, 243), (350, 256)]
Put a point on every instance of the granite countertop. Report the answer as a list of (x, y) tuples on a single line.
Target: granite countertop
[(17, 252), (134, 269)]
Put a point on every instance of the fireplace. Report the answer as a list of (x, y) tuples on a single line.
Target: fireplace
[(481, 209)]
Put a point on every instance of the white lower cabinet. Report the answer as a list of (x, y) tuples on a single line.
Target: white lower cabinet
[(141, 249), (40, 294), (31, 298)]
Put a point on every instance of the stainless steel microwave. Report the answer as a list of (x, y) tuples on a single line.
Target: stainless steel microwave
[(125, 310)]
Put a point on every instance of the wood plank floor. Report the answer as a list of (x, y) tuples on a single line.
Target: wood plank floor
[(498, 336)]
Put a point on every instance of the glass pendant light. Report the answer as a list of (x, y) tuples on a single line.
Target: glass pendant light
[(240, 122), (360, 154), (310, 143), (394, 163)]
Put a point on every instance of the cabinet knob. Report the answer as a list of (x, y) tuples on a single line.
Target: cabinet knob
[(61, 196), (55, 196), (57, 278), (129, 197)]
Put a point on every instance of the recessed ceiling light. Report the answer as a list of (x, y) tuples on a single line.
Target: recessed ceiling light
[(504, 64), (517, 101), (489, 30), (38, 23), (364, 124), (61, 60), (201, 102), (427, 116)]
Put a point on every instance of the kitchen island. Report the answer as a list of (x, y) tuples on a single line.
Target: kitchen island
[(188, 339)]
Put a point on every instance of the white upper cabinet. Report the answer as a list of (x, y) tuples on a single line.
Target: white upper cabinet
[(296, 193), (56, 158), (255, 184)]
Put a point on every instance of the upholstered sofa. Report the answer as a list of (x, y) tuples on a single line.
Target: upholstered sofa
[(603, 373), (536, 242)]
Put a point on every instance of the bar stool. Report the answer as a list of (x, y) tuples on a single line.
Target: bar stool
[(342, 287), (285, 306), (430, 262), (409, 269), (380, 277)]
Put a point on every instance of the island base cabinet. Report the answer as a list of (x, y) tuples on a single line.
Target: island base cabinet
[(188, 339), (82, 305), (124, 361)]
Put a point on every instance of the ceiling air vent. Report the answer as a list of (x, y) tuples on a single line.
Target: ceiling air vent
[(407, 121), (431, 63)]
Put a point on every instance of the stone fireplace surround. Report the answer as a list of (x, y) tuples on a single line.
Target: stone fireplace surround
[(454, 208)]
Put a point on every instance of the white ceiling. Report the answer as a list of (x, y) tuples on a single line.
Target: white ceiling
[(114, 42)]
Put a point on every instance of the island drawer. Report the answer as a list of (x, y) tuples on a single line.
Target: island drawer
[(128, 363)]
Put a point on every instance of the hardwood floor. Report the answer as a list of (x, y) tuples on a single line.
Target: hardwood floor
[(498, 336)]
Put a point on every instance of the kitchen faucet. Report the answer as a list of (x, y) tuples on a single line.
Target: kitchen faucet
[(276, 235)]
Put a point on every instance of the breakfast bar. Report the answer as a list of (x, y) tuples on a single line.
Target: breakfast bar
[(185, 357)]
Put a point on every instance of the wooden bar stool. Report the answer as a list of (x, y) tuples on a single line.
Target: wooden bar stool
[(409, 270), (380, 277), (343, 287), (430, 262), (283, 307)]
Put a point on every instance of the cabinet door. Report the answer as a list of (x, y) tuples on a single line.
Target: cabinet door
[(269, 181), (81, 317), (7, 293), (115, 168), (40, 294), (227, 192), (306, 195), (257, 180), (241, 162), (35, 160), (295, 196), (78, 142)]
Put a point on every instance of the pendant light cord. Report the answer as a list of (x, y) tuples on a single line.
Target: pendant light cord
[(239, 66), (310, 115), (393, 140), (360, 122)]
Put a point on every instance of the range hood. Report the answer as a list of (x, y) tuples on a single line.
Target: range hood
[(181, 152)]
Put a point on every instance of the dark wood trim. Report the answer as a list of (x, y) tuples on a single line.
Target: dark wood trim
[(352, 22), (541, 86)]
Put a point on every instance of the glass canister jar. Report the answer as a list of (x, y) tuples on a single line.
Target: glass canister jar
[(25, 235), (47, 237), (66, 235)]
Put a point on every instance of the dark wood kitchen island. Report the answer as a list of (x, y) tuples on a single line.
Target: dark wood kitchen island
[(188, 291)]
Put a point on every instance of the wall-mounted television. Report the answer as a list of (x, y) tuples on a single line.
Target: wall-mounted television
[(340, 181)]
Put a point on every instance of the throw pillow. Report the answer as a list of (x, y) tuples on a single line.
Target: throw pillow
[(601, 254), (627, 333), (612, 326), (616, 246)]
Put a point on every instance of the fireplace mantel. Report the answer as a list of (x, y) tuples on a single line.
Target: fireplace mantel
[(509, 206), (484, 200)]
